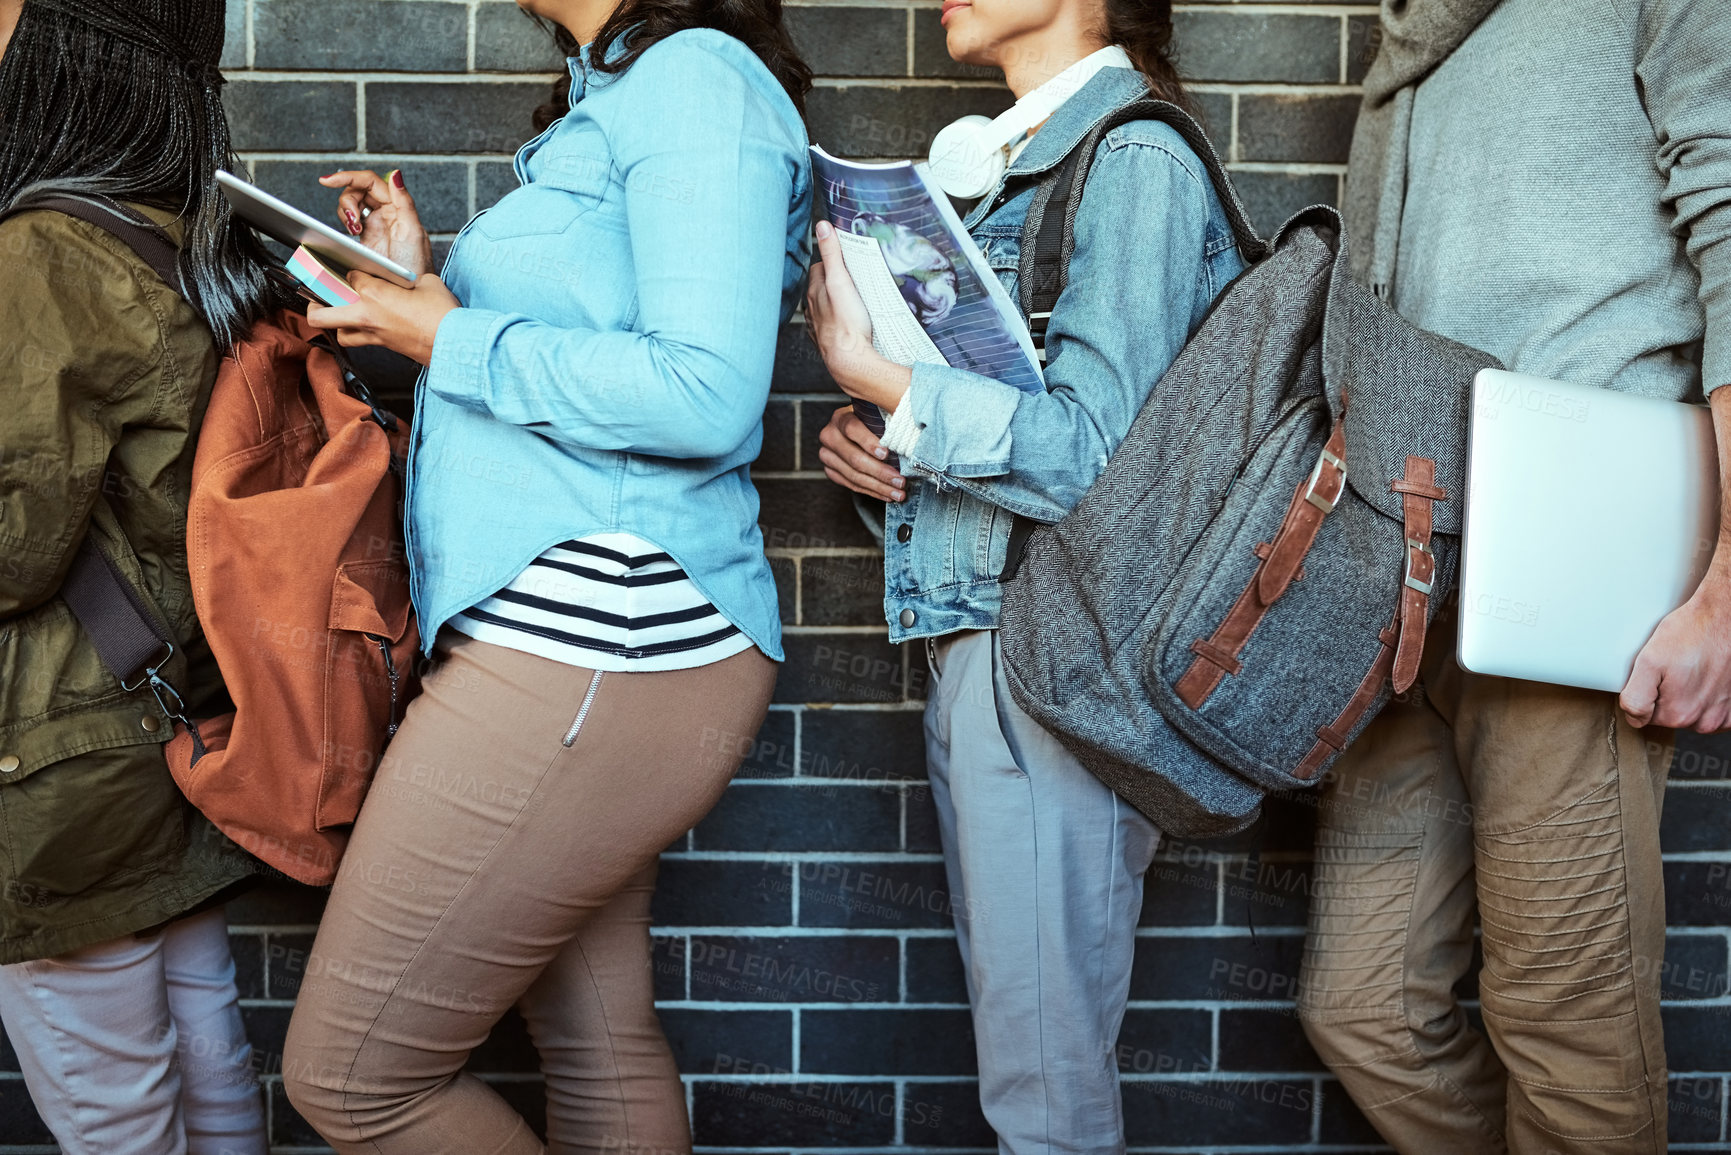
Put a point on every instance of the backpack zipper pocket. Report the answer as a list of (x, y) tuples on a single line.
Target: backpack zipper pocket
[(583, 710)]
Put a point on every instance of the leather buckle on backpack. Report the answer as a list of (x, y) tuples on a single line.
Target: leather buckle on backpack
[(1410, 581), (1324, 503)]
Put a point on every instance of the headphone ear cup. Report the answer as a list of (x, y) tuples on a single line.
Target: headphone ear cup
[(962, 161)]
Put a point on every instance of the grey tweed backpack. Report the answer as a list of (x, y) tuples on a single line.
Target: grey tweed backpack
[(1251, 577)]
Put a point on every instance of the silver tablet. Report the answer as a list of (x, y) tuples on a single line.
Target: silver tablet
[(283, 222)]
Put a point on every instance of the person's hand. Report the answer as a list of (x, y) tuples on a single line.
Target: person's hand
[(1682, 677), (839, 324), (402, 320), (853, 458), (381, 214)]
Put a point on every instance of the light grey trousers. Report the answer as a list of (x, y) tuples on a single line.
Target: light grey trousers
[(1045, 870)]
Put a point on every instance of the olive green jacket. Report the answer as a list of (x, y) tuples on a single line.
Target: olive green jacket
[(104, 376)]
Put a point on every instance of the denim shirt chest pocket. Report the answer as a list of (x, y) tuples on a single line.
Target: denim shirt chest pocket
[(579, 162), (564, 230), (1001, 241)]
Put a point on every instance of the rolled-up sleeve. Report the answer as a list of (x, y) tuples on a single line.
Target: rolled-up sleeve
[(691, 377), (1121, 320), (1684, 64)]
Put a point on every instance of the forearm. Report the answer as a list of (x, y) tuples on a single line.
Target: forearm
[(1685, 77), (1034, 454), (1720, 401), (598, 389)]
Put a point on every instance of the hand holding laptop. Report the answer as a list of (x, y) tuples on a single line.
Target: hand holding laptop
[(1682, 677), (1596, 547)]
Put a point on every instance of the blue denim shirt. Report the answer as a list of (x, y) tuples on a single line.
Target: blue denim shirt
[(1153, 250), (611, 362)]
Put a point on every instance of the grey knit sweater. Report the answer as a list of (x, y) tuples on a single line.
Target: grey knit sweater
[(1568, 204)]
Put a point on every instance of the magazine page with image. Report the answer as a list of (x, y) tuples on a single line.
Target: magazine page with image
[(931, 294)]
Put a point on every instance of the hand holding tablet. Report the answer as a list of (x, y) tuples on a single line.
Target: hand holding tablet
[(283, 222), (398, 303)]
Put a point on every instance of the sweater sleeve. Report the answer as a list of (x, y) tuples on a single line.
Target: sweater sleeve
[(691, 378), (1683, 60), (1120, 322)]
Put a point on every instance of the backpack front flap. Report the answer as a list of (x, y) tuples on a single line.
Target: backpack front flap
[(1401, 391)]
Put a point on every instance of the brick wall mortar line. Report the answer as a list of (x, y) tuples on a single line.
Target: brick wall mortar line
[(382, 76)]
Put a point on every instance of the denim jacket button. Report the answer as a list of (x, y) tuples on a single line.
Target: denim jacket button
[(904, 531), (907, 618)]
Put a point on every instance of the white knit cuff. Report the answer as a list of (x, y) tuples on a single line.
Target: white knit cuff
[(902, 431)]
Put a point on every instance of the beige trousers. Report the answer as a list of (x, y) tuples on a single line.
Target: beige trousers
[(1539, 806), (505, 856)]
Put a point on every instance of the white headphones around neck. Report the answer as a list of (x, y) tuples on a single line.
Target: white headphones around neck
[(970, 155)]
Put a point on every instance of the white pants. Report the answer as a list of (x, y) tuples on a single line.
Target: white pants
[(135, 1046), (1045, 869)]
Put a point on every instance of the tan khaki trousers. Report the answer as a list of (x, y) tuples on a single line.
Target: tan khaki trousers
[(505, 856), (1539, 805)]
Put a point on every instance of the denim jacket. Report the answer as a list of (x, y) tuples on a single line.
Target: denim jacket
[(1153, 250), (611, 362)]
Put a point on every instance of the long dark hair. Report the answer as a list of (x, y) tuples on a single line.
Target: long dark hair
[(119, 97), (640, 23), (1143, 28)]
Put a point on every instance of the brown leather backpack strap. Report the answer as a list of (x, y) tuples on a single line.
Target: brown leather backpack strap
[(1297, 534), (1418, 490), (1282, 564), (1331, 739)]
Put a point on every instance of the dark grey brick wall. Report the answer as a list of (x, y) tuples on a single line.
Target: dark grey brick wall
[(804, 956)]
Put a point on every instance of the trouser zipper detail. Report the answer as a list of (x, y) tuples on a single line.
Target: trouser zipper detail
[(583, 710)]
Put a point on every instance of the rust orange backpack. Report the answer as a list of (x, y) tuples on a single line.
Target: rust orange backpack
[(299, 580)]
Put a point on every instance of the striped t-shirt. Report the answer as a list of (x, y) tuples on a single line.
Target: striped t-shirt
[(609, 601)]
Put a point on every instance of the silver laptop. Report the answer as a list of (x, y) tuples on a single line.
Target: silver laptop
[(1590, 515)]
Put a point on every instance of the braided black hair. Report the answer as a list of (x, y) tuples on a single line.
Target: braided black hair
[(120, 97)]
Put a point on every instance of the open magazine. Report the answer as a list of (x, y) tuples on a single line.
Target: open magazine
[(931, 294)]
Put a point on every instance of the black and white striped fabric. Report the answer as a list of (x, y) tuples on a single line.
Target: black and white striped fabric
[(609, 601)]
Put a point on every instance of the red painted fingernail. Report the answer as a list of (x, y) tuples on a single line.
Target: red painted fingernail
[(397, 178), (354, 226)]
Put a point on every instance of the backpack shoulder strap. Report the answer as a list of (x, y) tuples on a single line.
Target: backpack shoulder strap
[(1049, 238), (1049, 233), (131, 228)]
